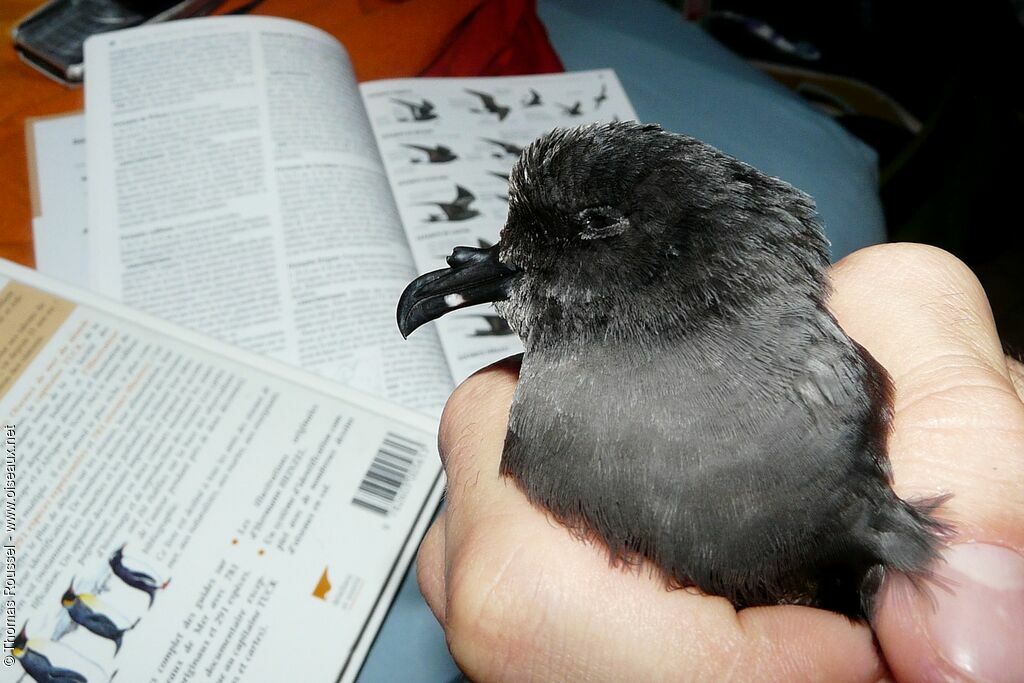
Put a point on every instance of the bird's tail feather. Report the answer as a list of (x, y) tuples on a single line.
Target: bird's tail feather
[(911, 537)]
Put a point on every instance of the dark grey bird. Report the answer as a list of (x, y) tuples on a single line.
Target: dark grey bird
[(575, 110), (490, 104), (685, 394), (507, 148), (421, 111), (601, 96), (534, 100), (438, 154), (460, 209)]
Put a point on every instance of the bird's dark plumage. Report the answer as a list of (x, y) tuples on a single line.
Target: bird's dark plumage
[(685, 394)]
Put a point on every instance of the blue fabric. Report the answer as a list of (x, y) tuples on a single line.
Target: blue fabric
[(679, 77)]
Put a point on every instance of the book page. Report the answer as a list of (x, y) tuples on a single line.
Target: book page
[(60, 225), (443, 138), (235, 188), (176, 509)]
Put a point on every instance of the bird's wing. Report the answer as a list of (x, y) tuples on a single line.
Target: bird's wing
[(411, 105), (105, 609), (464, 197), (96, 620), (427, 106), (419, 147), (64, 625), (486, 99)]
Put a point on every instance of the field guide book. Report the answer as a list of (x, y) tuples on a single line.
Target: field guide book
[(229, 486)]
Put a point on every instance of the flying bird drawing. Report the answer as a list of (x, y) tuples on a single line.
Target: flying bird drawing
[(642, 271), (601, 96), (534, 100), (575, 110), (490, 105), (423, 111), (439, 154), (496, 326), (508, 149), (460, 209)]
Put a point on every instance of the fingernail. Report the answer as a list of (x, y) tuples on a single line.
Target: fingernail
[(978, 623)]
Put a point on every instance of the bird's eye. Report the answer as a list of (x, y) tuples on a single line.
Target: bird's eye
[(601, 222)]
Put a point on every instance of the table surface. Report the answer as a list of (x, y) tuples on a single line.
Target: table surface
[(25, 92)]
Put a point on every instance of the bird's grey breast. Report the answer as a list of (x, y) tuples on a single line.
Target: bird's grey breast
[(706, 442)]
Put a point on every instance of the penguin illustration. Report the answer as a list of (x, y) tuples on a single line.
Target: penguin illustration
[(86, 610), (37, 665), (137, 579)]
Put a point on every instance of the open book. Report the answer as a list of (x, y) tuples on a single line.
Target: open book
[(242, 184), (177, 509)]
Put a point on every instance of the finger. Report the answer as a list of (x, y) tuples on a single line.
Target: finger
[(958, 427), (1016, 369), (470, 440), (430, 568)]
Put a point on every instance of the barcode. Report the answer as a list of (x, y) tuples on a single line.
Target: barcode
[(395, 460)]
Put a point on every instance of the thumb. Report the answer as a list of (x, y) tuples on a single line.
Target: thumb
[(958, 428)]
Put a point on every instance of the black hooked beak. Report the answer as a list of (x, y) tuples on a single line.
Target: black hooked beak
[(474, 276)]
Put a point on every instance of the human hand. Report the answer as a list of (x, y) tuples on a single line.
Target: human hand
[(520, 598)]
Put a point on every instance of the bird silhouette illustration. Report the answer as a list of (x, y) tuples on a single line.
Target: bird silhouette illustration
[(422, 111), (37, 665), (490, 105), (496, 174), (534, 100), (575, 110), (136, 578), (86, 610), (438, 154), (496, 326), (685, 394), (458, 210), (601, 96), (508, 149)]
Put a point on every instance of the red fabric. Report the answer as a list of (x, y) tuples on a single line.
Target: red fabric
[(499, 38)]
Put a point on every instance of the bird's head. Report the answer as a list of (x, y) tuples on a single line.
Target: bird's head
[(20, 642), (69, 596), (623, 230)]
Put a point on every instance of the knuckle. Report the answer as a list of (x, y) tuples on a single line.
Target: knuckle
[(913, 265), (484, 616)]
